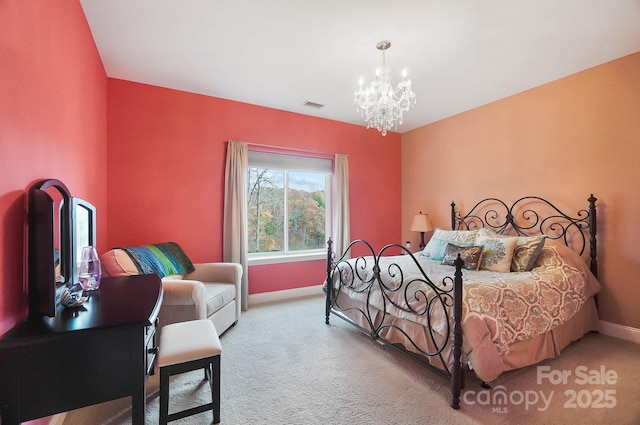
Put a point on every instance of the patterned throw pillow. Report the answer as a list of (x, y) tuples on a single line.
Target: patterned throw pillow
[(498, 252), (471, 256), (438, 242), (527, 249)]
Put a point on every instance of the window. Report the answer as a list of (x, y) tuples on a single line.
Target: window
[(288, 199)]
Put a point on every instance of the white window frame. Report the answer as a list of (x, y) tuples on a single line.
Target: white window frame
[(293, 162)]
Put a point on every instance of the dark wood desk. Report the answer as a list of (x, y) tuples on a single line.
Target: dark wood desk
[(101, 351)]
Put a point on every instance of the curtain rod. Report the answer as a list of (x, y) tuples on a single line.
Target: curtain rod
[(284, 148)]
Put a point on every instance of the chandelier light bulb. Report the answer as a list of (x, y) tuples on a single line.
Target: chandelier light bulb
[(381, 105)]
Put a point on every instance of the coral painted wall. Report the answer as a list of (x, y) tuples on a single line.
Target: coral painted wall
[(166, 161), (52, 124), (562, 141)]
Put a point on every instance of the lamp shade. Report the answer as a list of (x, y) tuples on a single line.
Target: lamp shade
[(421, 223)]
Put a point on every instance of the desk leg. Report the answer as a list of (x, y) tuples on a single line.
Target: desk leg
[(139, 390), (10, 387), (138, 407), (10, 418)]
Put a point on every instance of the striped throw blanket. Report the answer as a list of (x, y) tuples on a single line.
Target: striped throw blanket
[(163, 259)]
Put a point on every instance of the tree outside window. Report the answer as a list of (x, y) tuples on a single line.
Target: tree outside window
[(287, 210)]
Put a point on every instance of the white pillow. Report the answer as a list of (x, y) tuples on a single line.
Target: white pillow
[(497, 253), (526, 251)]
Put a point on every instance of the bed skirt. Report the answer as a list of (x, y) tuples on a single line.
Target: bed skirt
[(521, 354)]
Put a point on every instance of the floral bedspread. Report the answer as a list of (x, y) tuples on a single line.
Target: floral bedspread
[(519, 306), (509, 307)]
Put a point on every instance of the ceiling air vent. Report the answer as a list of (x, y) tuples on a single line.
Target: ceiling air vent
[(312, 104)]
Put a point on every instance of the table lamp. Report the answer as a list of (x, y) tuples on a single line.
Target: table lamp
[(421, 223)]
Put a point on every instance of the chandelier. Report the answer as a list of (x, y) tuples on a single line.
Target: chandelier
[(380, 104)]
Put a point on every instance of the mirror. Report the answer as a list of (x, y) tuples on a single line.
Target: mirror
[(48, 244), (58, 227), (83, 221), (58, 258)]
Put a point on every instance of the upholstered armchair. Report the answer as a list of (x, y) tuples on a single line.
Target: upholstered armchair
[(194, 291)]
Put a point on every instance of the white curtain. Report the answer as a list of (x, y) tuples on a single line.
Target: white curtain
[(341, 228), (235, 212)]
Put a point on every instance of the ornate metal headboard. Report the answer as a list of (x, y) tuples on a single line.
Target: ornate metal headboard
[(532, 215)]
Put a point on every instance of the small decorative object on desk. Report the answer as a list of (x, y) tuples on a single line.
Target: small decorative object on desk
[(70, 300), (90, 270)]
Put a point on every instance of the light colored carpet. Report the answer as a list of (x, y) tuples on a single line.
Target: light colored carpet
[(282, 365)]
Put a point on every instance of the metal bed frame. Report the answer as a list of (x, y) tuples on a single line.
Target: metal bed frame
[(528, 215)]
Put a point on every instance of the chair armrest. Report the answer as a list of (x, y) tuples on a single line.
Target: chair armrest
[(217, 272), (185, 292), (221, 273)]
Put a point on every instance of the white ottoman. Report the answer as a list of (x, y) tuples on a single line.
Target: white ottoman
[(184, 347)]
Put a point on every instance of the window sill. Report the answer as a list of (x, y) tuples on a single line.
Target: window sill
[(280, 258)]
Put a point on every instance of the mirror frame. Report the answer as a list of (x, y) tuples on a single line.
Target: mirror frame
[(42, 228)]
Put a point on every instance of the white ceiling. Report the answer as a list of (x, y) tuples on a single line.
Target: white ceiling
[(280, 53)]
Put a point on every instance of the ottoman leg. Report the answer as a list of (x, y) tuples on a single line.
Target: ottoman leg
[(164, 395), (215, 389)]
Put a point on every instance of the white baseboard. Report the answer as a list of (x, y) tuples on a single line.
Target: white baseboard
[(287, 294), (620, 331)]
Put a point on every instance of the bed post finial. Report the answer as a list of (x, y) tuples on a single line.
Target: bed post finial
[(593, 244), (453, 215), (327, 283), (329, 257)]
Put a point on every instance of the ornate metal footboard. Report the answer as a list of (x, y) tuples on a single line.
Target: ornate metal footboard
[(416, 296)]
